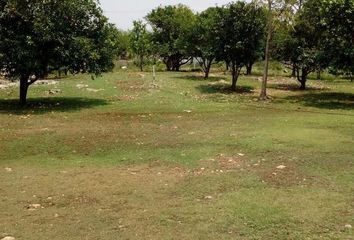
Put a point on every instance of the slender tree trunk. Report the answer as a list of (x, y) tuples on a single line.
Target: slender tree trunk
[(303, 78), (207, 68), (234, 77), (227, 65), (45, 72), (141, 63), (206, 74), (293, 73), (249, 68), (266, 64), (23, 89), (319, 71)]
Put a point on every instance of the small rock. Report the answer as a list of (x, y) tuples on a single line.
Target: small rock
[(8, 238), (80, 86), (46, 82), (33, 207), (7, 169), (281, 167), (56, 215), (208, 197), (348, 226), (54, 91), (241, 154), (187, 111), (94, 90)]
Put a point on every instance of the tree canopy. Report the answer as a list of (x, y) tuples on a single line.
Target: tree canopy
[(171, 25), (338, 21), (202, 40), (36, 35), (140, 41), (241, 34)]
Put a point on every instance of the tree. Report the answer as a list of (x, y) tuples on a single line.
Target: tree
[(303, 48), (202, 39), (276, 9), (36, 34), (241, 35), (171, 25), (140, 42), (122, 40), (306, 51), (338, 21)]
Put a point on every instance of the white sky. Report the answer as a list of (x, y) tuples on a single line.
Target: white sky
[(124, 12)]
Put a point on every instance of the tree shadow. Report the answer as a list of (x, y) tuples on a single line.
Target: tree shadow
[(224, 89), (201, 78), (325, 100), (45, 105), (293, 87)]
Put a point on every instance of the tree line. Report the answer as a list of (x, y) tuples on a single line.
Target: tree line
[(73, 36), (306, 35)]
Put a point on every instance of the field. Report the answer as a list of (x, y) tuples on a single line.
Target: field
[(126, 157)]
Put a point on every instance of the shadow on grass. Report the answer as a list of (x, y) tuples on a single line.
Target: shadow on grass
[(325, 100), (45, 105), (225, 89), (201, 78), (292, 87)]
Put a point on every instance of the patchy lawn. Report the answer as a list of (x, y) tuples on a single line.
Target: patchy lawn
[(126, 157)]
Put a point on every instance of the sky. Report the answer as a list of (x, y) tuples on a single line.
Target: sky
[(124, 12)]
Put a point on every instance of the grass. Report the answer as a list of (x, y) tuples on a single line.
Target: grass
[(179, 158)]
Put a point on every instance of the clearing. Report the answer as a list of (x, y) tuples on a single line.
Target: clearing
[(123, 157)]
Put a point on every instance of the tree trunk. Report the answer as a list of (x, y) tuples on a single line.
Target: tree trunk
[(23, 89), (266, 64), (249, 68), (293, 73), (207, 68), (206, 75), (227, 65), (303, 85), (234, 77), (319, 71), (141, 63), (175, 60), (45, 72), (303, 78), (168, 64)]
